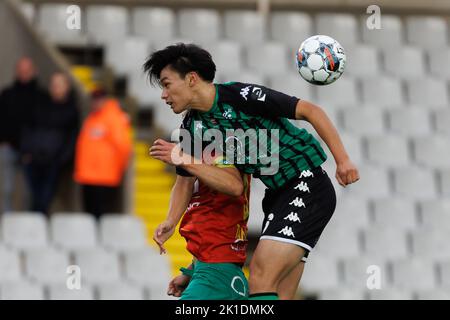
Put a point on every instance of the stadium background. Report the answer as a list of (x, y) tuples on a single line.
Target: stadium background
[(391, 107)]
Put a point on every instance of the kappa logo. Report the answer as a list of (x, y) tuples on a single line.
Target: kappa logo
[(287, 231), (298, 202), (306, 174), (244, 92), (293, 216), (258, 93), (302, 186)]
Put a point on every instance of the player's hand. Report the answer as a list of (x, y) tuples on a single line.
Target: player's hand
[(167, 152), (346, 173), (177, 285), (162, 233)]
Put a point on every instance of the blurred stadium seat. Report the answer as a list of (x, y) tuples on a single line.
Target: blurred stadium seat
[(396, 212), (10, 269), (126, 56), (61, 292), (385, 242), (388, 151), (437, 59), (414, 182), (98, 266), (202, 25), (106, 22), (51, 15), (153, 23), (321, 272), (382, 91), (46, 265), (363, 61), (120, 291), (24, 230), (427, 31), (398, 62), (236, 21), (282, 24), (427, 91), (363, 121), (391, 35), (414, 274), (122, 232), (342, 27), (411, 121), (73, 230), (269, 58), (390, 294), (21, 291)]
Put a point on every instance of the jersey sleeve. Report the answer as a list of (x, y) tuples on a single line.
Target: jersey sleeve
[(259, 100)]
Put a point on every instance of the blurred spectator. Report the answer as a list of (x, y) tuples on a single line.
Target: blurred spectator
[(17, 103), (48, 141), (102, 153)]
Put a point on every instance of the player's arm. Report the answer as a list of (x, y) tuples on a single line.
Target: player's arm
[(225, 179), (179, 200), (346, 171)]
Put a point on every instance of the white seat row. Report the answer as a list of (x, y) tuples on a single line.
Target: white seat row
[(72, 231), (24, 290), (163, 23), (390, 279), (97, 266)]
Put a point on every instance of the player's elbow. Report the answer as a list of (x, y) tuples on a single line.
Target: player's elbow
[(306, 110)]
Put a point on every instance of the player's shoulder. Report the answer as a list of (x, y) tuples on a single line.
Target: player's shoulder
[(239, 92)]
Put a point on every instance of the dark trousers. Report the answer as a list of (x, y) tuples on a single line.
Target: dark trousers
[(42, 181), (98, 200)]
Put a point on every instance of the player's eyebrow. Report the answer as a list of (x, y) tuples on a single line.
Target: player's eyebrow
[(165, 78)]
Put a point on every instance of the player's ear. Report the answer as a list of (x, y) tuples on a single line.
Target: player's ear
[(192, 78)]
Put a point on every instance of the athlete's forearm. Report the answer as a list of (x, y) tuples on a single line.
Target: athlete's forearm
[(179, 198), (224, 180), (324, 127)]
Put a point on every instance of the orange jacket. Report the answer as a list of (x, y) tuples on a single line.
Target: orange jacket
[(103, 147)]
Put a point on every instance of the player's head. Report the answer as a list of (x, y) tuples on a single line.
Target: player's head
[(180, 70)]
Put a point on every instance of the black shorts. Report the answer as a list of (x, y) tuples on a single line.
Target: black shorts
[(298, 212)]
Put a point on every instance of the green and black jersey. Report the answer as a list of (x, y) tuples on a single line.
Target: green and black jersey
[(257, 109)]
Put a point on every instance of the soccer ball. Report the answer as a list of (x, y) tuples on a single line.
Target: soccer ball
[(320, 60)]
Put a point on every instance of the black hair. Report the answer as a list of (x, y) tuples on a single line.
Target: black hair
[(182, 58)]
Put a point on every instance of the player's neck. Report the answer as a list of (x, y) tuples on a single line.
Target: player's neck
[(204, 96)]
